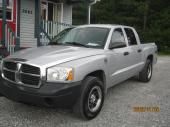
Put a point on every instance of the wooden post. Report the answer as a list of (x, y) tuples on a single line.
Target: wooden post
[(4, 4), (17, 47), (17, 39), (37, 21)]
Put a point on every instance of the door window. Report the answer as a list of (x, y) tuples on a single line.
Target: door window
[(8, 10), (130, 36), (117, 36)]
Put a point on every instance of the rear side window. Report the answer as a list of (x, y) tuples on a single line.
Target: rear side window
[(131, 36)]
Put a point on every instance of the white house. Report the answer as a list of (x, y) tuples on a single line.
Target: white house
[(26, 23)]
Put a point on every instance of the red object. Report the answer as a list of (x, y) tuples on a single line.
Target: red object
[(11, 23)]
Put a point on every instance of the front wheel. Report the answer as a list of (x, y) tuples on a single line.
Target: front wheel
[(146, 74), (91, 100)]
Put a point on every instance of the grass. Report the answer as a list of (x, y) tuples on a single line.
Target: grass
[(164, 53)]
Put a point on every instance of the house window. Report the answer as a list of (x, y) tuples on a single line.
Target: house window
[(9, 9), (0, 9)]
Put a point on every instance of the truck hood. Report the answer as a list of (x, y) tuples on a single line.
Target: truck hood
[(49, 55)]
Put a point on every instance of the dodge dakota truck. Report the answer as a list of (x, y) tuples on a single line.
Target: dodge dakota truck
[(77, 67)]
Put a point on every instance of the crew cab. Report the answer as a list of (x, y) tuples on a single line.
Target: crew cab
[(77, 68)]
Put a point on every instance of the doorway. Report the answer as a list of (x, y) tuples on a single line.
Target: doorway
[(51, 11)]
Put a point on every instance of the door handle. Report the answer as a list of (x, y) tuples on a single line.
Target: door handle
[(139, 50), (126, 53)]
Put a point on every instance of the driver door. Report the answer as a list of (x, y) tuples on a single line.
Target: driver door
[(118, 58)]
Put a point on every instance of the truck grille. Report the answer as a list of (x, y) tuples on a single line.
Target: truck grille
[(30, 74), (30, 69), (29, 79), (10, 75), (9, 69), (21, 73), (10, 65)]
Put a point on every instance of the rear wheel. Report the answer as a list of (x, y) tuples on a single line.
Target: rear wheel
[(146, 74), (91, 100)]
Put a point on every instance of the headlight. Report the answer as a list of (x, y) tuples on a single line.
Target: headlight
[(59, 74)]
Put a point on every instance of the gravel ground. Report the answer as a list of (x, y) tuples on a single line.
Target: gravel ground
[(117, 111)]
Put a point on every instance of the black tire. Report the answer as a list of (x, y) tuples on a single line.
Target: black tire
[(84, 104), (146, 74)]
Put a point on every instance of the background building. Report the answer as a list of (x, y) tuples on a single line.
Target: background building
[(30, 23)]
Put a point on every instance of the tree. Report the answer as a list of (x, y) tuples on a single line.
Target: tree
[(151, 18)]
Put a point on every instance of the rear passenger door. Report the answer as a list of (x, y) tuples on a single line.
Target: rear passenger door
[(136, 52)]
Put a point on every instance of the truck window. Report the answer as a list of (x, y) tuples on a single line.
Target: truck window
[(117, 36), (130, 36), (94, 37)]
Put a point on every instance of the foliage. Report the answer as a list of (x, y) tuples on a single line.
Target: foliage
[(151, 18)]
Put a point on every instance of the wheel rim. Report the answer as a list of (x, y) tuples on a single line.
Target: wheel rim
[(149, 71), (95, 99)]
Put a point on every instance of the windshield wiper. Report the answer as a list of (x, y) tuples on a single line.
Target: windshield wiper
[(76, 43)]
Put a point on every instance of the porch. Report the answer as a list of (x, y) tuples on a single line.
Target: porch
[(31, 23)]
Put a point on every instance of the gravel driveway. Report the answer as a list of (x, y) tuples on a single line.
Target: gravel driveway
[(117, 111)]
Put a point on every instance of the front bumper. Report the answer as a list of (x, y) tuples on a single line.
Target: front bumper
[(62, 95)]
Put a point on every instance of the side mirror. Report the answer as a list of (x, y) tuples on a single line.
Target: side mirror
[(114, 45)]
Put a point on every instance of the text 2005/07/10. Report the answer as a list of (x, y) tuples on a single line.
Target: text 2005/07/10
[(146, 109)]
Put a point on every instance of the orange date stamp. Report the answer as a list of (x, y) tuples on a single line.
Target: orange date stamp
[(146, 109)]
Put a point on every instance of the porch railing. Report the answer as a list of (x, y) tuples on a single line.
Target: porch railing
[(53, 28), (44, 37), (11, 40), (50, 29)]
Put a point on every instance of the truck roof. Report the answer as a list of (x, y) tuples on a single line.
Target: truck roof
[(103, 25)]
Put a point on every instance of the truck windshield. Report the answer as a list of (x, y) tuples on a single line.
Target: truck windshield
[(90, 37)]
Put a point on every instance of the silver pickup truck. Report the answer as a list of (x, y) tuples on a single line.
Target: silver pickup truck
[(77, 68)]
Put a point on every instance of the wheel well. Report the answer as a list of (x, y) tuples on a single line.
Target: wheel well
[(150, 57), (99, 74)]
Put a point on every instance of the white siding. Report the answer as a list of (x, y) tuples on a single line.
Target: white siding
[(27, 24), (67, 14)]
